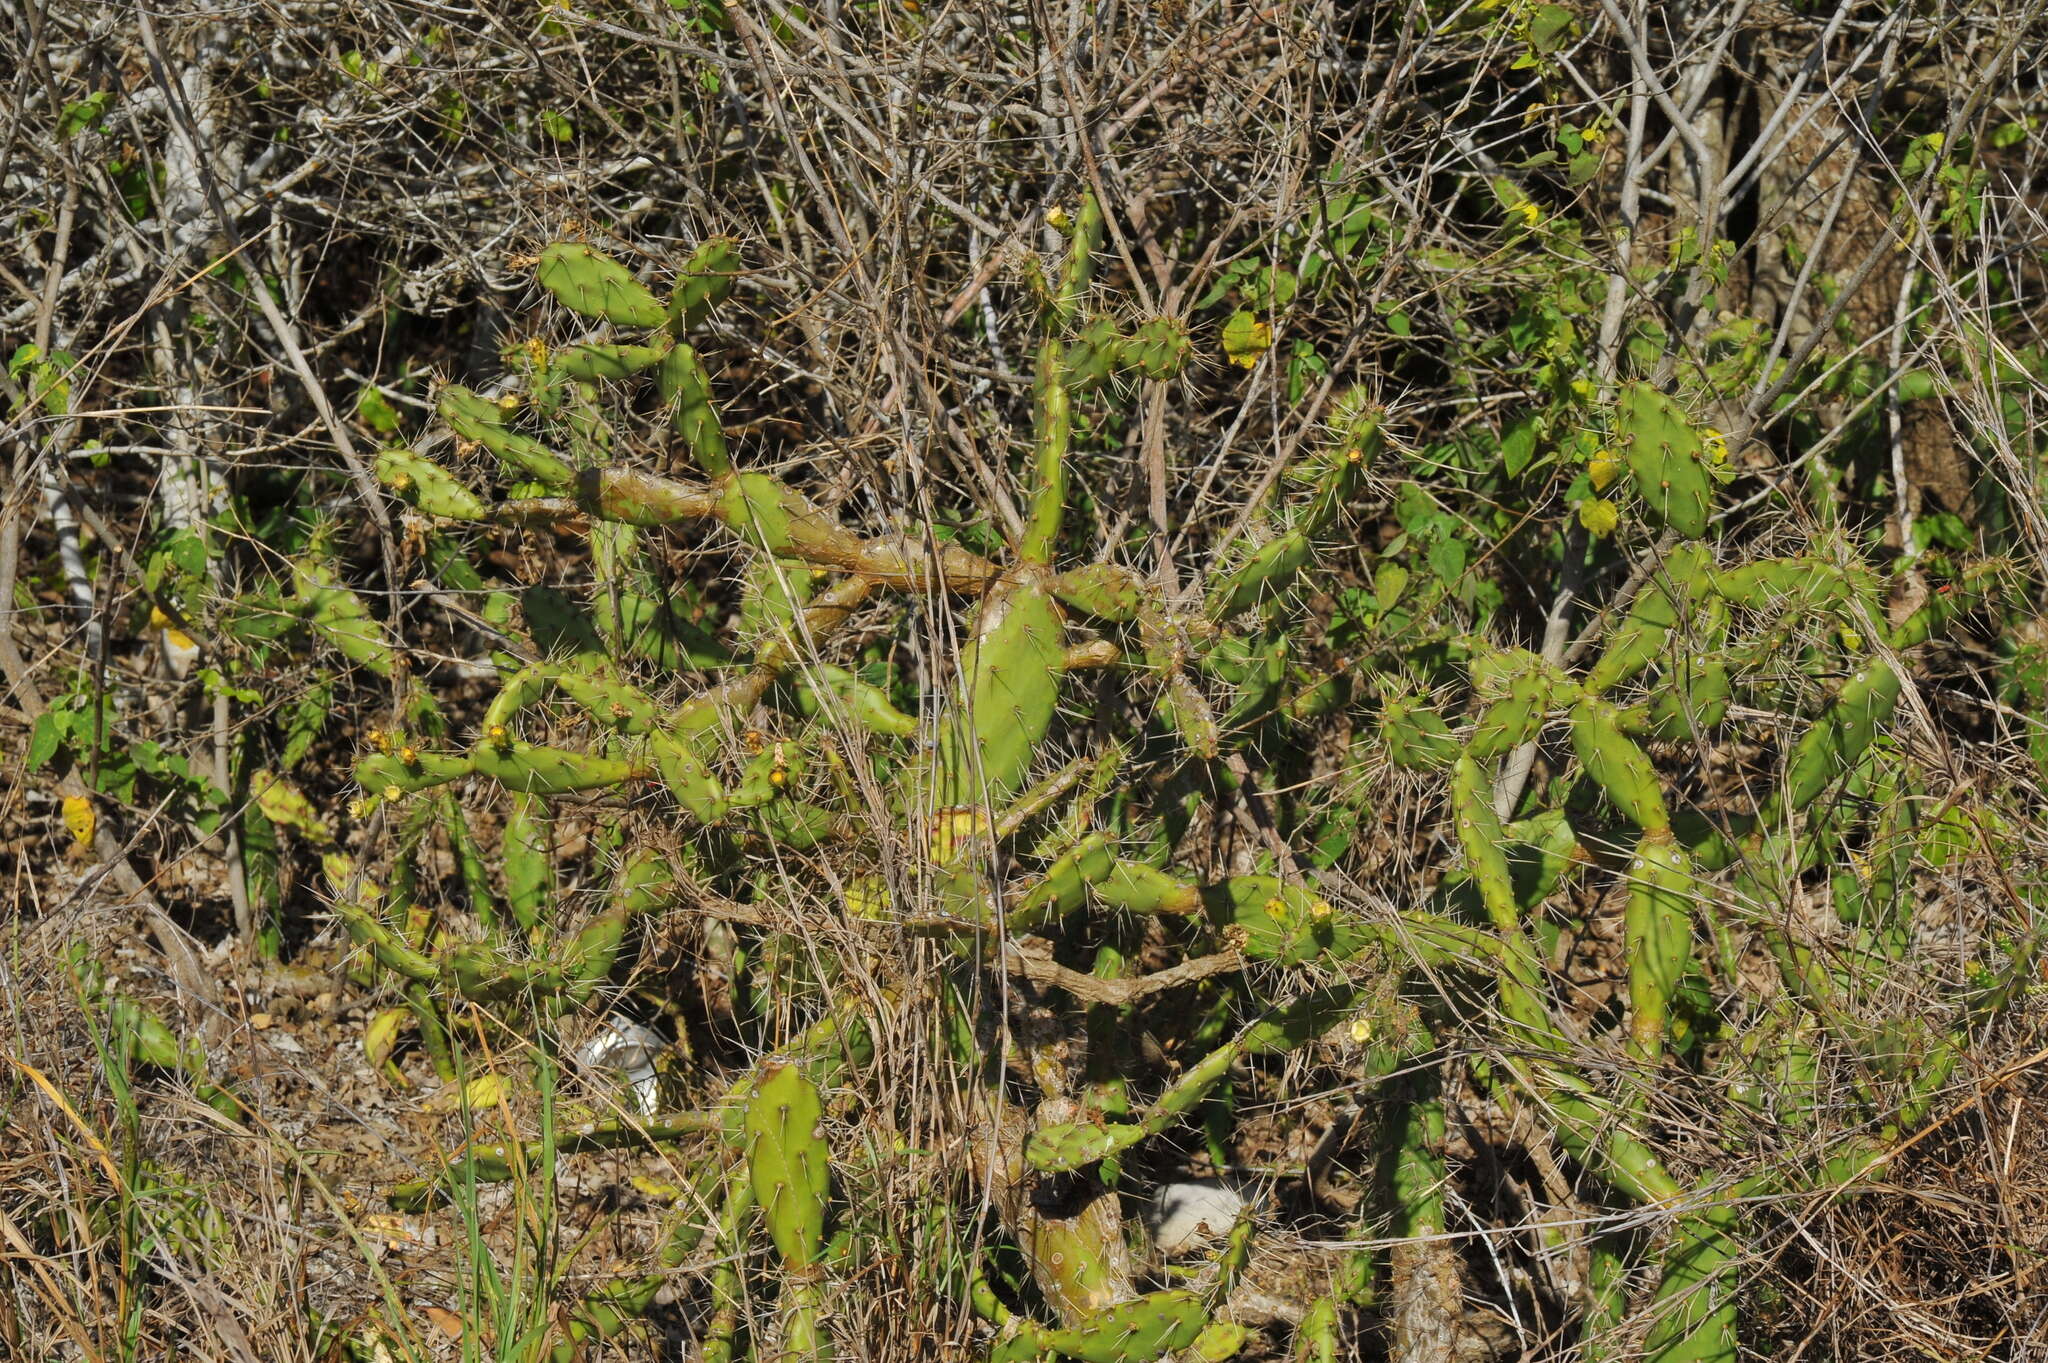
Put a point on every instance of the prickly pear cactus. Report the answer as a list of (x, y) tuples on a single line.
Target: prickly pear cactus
[(1078, 731)]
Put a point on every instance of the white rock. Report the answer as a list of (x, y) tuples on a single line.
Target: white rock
[(1188, 1216)]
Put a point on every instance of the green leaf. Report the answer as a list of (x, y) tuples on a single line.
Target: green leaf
[(1549, 27), (557, 126), (1245, 338), (376, 412), (46, 739), (1447, 558), (82, 115), (1518, 446)]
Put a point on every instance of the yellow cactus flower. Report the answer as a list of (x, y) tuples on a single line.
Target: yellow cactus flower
[(1714, 446), (1599, 516)]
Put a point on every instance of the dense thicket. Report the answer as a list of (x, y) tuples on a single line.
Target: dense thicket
[(920, 680)]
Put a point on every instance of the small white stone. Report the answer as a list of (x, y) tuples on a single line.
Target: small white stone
[(629, 1050), (1188, 1216)]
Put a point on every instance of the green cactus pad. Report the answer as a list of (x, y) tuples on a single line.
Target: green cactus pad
[(1137, 1331), (705, 281), (592, 283), (384, 771), (593, 363), (1663, 452), (1417, 738), (481, 421), (1657, 925), (1076, 1145), (1617, 765), (1013, 668), (1284, 923), (536, 770), (421, 483), (528, 856), (788, 1161)]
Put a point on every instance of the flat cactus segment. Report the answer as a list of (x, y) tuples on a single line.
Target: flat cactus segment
[(1315, 1339), (1093, 355), (866, 705), (528, 854), (1137, 888), (421, 483), (1806, 581), (617, 704), (1136, 1331), (1103, 590), (1693, 699), (778, 520), (1054, 423), (788, 1162), (588, 281), (1183, 706), (1663, 452), (1262, 575), (1158, 349), (686, 390), (1339, 471), (342, 618), (1617, 765), (480, 421), (1417, 738), (1694, 1306), (1644, 633), (1220, 1341), (1076, 1145), (1826, 752), (1013, 669), (1657, 926), (388, 947), (537, 770), (1064, 886), (689, 778), (600, 363), (1284, 923), (704, 281), (1485, 844), (409, 771), (644, 499)]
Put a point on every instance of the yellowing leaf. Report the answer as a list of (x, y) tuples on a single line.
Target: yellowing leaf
[(286, 805), (1603, 468), (80, 819), (1245, 338), (1599, 516)]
